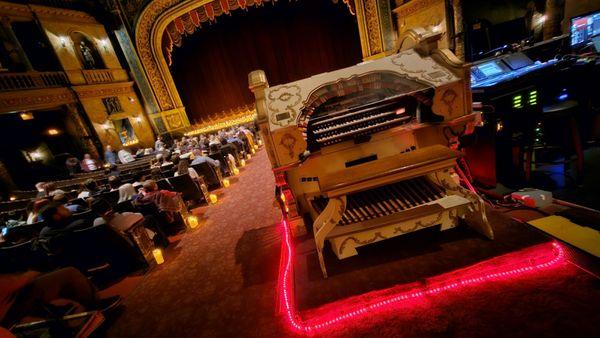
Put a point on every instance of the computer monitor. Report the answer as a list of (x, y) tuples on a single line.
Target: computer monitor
[(584, 28)]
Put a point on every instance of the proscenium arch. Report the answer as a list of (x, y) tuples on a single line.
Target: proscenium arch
[(149, 29), (151, 24)]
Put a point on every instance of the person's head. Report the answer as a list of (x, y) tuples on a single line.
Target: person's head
[(49, 187), (159, 138), (114, 182), (109, 148), (40, 186), (40, 204), (87, 156), (102, 208), (184, 164), (54, 214), (60, 198), (90, 185), (175, 159), (150, 186)]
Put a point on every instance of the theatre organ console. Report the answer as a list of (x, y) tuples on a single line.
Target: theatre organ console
[(366, 152)]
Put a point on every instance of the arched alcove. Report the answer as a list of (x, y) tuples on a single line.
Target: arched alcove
[(86, 51)]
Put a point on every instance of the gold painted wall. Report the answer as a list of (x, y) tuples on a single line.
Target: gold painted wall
[(91, 99)]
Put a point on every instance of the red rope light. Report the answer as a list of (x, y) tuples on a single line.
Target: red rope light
[(314, 325)]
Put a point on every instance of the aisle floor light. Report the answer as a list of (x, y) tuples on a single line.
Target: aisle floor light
[(192, 221), (226, 183), (236, 171), (242, 163), (248, 156), (552, 257), (213, 198), (158, 256)]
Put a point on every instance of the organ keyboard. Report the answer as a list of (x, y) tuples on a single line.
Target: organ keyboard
[(364, 152)]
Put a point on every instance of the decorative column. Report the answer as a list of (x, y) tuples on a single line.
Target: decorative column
[(377, 35), (12, 44), (77, 126)]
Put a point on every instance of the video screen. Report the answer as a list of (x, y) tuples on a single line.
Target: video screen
[(583, 28), (490, 69)]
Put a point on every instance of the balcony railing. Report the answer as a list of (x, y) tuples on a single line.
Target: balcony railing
[(32, 80), (95, 76)]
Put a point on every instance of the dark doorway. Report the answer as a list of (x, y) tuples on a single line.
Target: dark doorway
[(289, 40), (35, 150)]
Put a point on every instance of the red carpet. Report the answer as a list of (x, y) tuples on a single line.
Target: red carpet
[(220, 280)]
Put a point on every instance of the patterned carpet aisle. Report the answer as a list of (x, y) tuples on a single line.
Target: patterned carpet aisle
[(220, 279)]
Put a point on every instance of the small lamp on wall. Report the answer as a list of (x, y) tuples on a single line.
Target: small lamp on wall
[(63, 41), (138, 119)]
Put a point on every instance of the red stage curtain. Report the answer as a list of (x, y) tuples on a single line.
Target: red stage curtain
[(288, 40)]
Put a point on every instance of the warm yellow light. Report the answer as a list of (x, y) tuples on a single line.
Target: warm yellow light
[(253, 151), (53, 131), (213, 198), (26, 116), (158, 256), (226, 183), (248, 156), (236, 171), (242, 163), (192, 221), (12, 198), (256, 146), (130, 143), (282, 196), (499, 126), (244, 117), (106, 165), (260, 142)]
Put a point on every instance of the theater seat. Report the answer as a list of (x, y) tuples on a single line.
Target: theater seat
[(188, 188), (211, 176)]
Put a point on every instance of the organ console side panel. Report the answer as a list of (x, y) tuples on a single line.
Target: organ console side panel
[(257, 82), (366, 152)]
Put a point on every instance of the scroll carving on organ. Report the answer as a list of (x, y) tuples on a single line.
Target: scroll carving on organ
[(364, 152)]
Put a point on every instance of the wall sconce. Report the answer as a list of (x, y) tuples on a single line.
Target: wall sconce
[(131, 99), (138, 119), (104, 44), (63, 41), (53, 132)]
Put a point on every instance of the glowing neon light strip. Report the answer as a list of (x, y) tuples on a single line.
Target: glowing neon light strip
[(313, 325)]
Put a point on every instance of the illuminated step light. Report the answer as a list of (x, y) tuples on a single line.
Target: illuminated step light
[(213, 198), (226, 183), (53, 132), (236, 171), (26, 116), (158, 256), (192, 221), (242, 163)]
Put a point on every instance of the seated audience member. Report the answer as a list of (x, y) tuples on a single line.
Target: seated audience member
[(118, 221), (28, 293), (59, 220), (33, 210), (138, 180), (199, 158), (88, 164), (113, 170), (41, 189), (125, 220), (52, 190), (110, 156), (184, 168), (63, 200), (114, 182), (158, 161), (72, 164), (125, 156), (165, 201), (88, 189), (159, 145), (127, 192)]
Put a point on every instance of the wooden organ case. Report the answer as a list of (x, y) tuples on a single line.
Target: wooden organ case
[(366, 152)]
